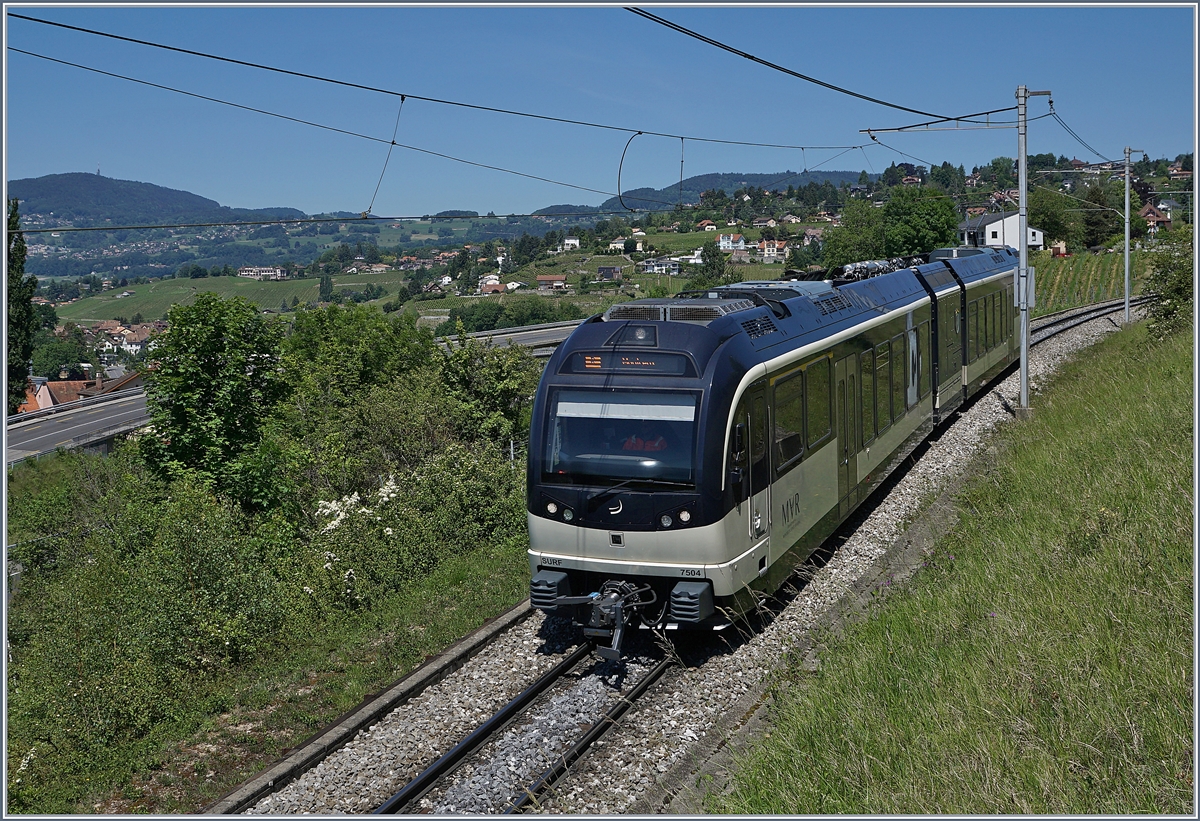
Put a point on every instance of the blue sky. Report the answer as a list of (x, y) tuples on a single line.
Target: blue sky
[(1119, 76)]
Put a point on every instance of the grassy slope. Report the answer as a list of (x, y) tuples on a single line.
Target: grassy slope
[(1042, 662)]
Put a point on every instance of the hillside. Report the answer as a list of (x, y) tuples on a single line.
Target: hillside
[(664, 199), (89, 199)]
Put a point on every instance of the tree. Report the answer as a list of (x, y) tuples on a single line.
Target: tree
[(1101, 219), (1000, 172), (859, 237), (57, 357), (916, 221), (1049, 212), (218, 377), (21, 320), (713, 271), (138, 319), (1172, 264), (325, 291)]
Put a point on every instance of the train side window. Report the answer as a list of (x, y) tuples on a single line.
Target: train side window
[(883, 386), (924, 363), (996, 319), (993, 322), (816, 404), (899, 377), (972, 330), (789, 420), (989, 326), (867, 369), (758, 444)]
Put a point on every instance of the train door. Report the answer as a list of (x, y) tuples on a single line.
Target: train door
[(760, 473), (846, 378)]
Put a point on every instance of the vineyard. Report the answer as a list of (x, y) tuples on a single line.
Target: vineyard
[(1064, 282)]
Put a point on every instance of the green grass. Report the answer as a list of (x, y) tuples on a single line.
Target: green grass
[(1042, 661), (153, 300)]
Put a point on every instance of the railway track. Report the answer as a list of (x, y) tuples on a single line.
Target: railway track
[(433, 790), (1050, 325)]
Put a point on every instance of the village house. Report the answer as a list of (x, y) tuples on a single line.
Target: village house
[(1155, 219), (731, 242), (552, 282), (707, 225), (812, 235), (609, 273), (662, 265), (771, 250), (618, 244), (764, 222), (998, 230), (261, 273), (570, 243)]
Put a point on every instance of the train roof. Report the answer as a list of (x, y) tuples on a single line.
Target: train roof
[(775, 312)]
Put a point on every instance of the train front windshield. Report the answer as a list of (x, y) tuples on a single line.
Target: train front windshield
[(605, 437)]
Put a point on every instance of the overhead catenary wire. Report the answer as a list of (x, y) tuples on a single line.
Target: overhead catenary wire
[(411, 96), (395, 131), (654, 18), (1078, 139)]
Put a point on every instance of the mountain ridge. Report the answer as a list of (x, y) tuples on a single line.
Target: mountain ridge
[(85, 199)]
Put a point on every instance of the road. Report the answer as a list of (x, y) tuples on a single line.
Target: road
[(67, 428)]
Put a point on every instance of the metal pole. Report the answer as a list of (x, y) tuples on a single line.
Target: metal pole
[(1023, 249), (1023, 94), (1126, 235), (1128, 150)]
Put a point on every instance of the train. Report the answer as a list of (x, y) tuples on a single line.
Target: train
[(687, 454)]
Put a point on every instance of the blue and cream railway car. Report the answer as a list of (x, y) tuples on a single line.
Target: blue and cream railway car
[(686, 454)]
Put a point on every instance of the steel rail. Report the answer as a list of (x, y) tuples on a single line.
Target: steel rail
[(429, 777), (597, 730), (1065, 323)]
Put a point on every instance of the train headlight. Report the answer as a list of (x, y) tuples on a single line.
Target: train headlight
[(685, 516), (568, 514), (551, 508), (665, 520)]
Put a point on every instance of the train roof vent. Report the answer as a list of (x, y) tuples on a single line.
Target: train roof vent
[(707, 313), (832, 304), (634, 311), (759, 326)]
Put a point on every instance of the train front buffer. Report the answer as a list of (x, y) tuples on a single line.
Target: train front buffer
[(607, 613)]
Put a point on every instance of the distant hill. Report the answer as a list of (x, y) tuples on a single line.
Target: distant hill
[(664, 199), (89, 199)]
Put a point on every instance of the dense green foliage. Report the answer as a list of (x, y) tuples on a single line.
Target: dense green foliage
[(215, 381), (1041, 660), (912, 221), (290, 486), (21, 320), (1172, 277)]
